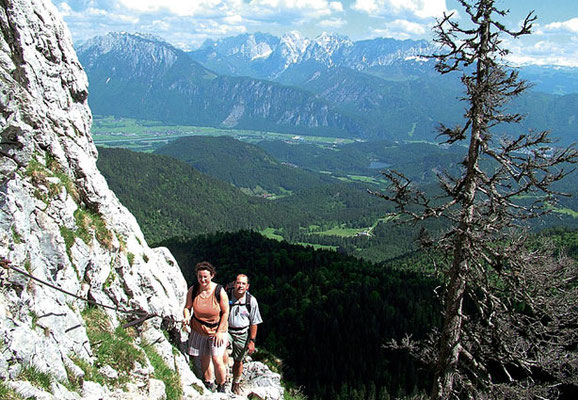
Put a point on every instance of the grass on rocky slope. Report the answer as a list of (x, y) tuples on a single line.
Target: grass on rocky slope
[(116, 347), (7, 393)]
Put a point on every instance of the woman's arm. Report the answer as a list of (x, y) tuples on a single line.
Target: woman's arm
[(223, 323), (188, 307)]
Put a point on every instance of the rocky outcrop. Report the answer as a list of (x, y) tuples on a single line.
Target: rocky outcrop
[(65, 239)]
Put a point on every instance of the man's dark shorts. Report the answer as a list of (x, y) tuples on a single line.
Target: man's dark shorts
[(238, 341)]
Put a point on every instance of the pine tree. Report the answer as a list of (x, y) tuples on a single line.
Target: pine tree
[(487, 257)]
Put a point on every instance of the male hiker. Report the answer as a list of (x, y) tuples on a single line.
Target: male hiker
[(244, 316)]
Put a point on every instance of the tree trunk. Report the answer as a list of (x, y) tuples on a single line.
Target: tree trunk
[(451, 335), (450, 346), (450, 341)]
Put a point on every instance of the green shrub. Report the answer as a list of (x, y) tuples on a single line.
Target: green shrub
[(292, 393), (16, 236), (28, 266), (69, 186), (38, 173), (121, 241), (69, 237), (110, 279), (34, 317), (90, 371), (73, 382), (269, 359)]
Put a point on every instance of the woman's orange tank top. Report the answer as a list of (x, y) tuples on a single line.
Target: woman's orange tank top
[(207, 310)]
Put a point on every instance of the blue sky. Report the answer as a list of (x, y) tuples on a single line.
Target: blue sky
[(187, 23)]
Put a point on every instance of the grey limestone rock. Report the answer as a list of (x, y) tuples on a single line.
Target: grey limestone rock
[(49, 189), (62, 225)]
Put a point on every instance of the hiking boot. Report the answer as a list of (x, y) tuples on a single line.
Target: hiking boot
[(221, 388), (236, 388), (209, 385)]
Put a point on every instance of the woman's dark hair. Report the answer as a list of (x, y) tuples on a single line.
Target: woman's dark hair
[(205, 265)]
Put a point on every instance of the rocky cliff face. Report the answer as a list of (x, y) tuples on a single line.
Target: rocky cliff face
[(60, 224)]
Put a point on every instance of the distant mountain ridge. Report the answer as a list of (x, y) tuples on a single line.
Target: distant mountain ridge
[(265, 56), (134, 76), (268, 57), (329, 86)]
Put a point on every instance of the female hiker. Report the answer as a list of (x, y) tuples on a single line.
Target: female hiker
[(207, 312)]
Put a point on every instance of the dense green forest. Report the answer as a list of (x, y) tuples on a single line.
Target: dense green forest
[(170, 198), (242, 164), (327, 315), (419, 161)]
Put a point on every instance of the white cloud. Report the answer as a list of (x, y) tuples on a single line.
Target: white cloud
[(544, 52), (216, 29), (336, 6), (366, 6), (95, 16), (307, 8), (567, 26), (130, 19), (401, 29), (161, 25), (333, 23), (64, 9), (410, 27), (410, 8), (233, 19), (183, 7)]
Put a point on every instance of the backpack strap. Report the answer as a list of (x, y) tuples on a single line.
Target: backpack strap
[(247, 302), (218, 293), (213, 325)]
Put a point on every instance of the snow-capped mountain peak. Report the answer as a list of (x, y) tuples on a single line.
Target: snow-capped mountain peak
[(248, 47), (331, 41), (292, 46), (266, 57)]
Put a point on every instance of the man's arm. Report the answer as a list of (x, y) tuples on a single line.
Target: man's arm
[(252, 338)]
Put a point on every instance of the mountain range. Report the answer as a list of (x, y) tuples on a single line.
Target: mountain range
[(269, 57), (179, 90), (330, 86), (292, 56)]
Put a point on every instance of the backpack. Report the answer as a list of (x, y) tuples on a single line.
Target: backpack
[(247, 302), (217, 291)]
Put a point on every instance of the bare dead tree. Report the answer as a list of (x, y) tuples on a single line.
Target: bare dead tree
[(488, 258)]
